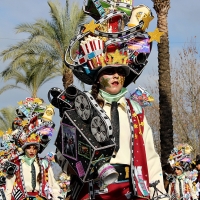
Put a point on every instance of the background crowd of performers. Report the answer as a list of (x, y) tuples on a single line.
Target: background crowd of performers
[(112, 53)]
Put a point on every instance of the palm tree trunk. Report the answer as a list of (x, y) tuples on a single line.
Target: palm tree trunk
[(67, 77), (166, 125)]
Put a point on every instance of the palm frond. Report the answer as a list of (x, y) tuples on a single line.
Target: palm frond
[(8, 87), (7, 116), (40, 57)]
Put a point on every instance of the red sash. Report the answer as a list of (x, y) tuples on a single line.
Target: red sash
[(141, 176)]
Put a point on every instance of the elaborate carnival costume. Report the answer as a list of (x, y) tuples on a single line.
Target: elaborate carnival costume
[(181, 187), (87, 139), (26, 177), (197, 181)]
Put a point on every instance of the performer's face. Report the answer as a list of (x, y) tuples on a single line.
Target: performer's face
[(112, 80), (198, 167), (64, 188), (178, 171), (31, 151)]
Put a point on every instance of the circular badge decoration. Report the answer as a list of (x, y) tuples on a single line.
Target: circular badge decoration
[(82, 107), (98, 129)]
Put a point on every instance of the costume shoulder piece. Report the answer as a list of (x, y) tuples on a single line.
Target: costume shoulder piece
[(136, 106), (140, 98)]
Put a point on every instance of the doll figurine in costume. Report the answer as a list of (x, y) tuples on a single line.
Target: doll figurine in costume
[(27, 175), (180, 160), (113, 52), (64, 183)]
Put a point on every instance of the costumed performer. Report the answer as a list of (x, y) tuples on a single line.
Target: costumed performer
[(34, 177), (112, 53), (27, 175), (180, 160)]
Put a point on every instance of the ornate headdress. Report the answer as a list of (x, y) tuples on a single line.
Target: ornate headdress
[(33, 139), (33, 125), (116, 38), (180, 157)]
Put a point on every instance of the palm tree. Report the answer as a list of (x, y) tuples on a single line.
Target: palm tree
[(166, 125), (6, 118), (50, 38), (32, 74)]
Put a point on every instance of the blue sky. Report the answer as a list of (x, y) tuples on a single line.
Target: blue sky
[(183, 23)]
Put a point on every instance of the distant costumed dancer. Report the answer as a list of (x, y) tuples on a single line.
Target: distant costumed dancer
[(26, 175)]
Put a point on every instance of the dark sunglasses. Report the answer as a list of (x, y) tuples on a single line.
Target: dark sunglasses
[(110, 71), (30, 146)]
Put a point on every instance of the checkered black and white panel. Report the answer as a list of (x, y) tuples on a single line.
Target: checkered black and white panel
[(2, 195), (91, 190), (132, 147)]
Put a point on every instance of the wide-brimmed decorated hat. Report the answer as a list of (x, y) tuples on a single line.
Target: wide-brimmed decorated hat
[(115, 37), (33, 139), (33, 124), (180, 157)]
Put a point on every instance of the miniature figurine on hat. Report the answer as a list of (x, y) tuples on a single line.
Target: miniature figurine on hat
[(180, 160)]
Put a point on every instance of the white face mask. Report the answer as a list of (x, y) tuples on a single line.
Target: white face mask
[(28, 160), (113, 97)]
